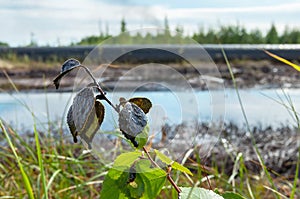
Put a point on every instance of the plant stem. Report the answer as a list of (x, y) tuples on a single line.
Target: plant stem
[(99, 88), (168, 171), (171, 180), (149, 157)]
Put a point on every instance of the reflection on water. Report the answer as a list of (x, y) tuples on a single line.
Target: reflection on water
[(168, 107)]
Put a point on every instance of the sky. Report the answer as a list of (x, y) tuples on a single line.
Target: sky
[(57, 22)]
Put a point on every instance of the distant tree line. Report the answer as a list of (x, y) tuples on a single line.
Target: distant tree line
[(232, 34), (4, 44), (239, 35)]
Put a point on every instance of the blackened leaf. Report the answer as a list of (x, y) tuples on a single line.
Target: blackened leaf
[(71, 124), (100, 97), (132, 121), (88, 114), (83, 104), (142, 102), (99, 108), (131, 138), (132, 174), (69, 65)]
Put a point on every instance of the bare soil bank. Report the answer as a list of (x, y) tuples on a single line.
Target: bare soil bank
[(249, 74)]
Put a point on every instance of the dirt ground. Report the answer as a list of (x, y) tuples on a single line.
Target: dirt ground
[(248, 74)]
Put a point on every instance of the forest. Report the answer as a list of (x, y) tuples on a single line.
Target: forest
[(231, 34)]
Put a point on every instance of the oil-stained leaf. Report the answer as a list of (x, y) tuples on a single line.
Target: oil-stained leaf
[(71, 124), (83, 104), (99, 108), (88, 114), (132, 174), (132, 121), (69, 65), (131, 138), (142, 102), (100, 96)]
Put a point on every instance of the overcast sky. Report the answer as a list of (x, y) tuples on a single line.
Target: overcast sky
[(61, 22)]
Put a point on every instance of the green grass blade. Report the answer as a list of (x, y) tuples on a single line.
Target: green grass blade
[(298, 159), (296, 176), (23, 173), (40, 160), (297, 67), (248, 127), (52, 178)]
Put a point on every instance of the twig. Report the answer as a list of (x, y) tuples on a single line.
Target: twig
[(99, 88), (171, 180), (149, 157), (168, 171)]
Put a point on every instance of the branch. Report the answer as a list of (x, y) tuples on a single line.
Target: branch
[(171, 180), (168, 171), (99, 88)]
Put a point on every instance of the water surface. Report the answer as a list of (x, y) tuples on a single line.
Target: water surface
[(168, 107)]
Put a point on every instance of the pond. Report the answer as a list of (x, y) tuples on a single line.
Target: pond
[(168, 107)]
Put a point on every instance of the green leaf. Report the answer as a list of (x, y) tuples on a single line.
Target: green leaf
[(181, 168), (114, 185), (125, 160), (231, 195), (147, 183), (196, 193), (163, 157), (173, 164), (142, 138), (153, 178), (69, 65), (136, 188)]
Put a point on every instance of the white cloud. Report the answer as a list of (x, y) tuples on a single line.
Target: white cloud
[(71, 20), (279, 9)]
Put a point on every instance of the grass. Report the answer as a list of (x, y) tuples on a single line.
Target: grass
[(17, 157), (11, 60), (249, 130), (68, 173), (53, 171)]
